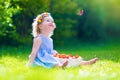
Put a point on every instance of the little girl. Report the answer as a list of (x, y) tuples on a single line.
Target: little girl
[(43, 53)]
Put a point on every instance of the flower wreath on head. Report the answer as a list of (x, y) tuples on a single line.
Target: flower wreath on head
[(45, 14)]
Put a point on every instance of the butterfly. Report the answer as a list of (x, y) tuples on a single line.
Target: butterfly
[(81, 12)]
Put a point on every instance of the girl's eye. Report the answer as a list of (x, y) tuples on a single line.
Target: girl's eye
[(48, 20)]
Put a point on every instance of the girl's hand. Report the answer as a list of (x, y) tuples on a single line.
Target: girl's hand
[(55, 54), (28, 64)]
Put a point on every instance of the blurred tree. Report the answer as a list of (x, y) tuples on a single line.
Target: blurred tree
[(8, 8), (99, 21)]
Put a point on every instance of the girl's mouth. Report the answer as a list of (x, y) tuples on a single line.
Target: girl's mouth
[(51, 25)]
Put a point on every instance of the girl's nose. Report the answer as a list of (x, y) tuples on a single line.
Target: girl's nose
[(51, 22)]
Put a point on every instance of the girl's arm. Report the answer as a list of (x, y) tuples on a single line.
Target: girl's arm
[(36, 44)]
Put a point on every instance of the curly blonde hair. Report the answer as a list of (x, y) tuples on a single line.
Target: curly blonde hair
[(37, 21)]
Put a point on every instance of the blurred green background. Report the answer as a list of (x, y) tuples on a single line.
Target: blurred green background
[(99, 23)]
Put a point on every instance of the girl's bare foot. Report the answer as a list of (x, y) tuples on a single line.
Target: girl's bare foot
[(64, 64), (92, 61)]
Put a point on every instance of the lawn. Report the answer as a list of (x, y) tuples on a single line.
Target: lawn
[(13, 61)]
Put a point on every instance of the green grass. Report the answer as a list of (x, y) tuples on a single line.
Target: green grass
[(13, 61)]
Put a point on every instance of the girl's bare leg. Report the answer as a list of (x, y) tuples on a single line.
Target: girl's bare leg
[(92, 61)]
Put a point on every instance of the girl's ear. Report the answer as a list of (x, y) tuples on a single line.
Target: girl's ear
[(39, 26)]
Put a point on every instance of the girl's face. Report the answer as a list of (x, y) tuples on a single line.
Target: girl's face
[(48, 24)]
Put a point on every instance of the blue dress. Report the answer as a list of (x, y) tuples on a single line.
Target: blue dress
[(44, 55)]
